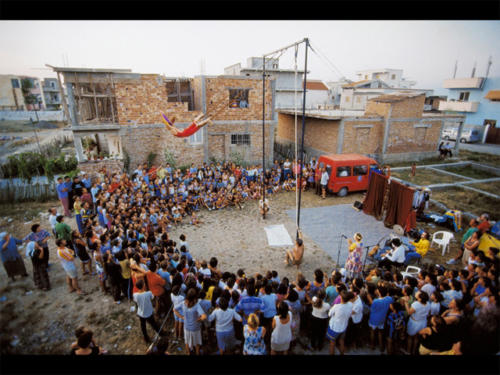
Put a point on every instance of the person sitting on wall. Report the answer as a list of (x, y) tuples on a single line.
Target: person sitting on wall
[(190, 130)]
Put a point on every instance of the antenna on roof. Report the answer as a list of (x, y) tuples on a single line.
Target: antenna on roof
[(455, 71), (473, 70), (488, 68)]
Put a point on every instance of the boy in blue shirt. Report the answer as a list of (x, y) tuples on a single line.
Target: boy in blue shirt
[(378, 313)]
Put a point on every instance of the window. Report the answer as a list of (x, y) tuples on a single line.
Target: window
[(366, 77), (15, 83), (53, 84), (393, 76), (359, 170), (464, 96), (347, 99), (238, 98), (196, 138), (358, 99), (343, 171), (240, 139)]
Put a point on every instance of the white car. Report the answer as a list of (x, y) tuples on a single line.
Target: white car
[(467, 136)]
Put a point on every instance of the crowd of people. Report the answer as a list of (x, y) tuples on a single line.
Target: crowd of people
[(123, 240)]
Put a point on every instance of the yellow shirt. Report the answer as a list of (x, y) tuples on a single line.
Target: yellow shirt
[(161, 173), (421, 247), (77, 207)]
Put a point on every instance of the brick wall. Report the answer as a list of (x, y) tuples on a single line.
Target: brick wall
[(361, 137), (376, 108), (320, 134), (409, 108), (220, 147), (141, 102), (411, 137), (217, 99)]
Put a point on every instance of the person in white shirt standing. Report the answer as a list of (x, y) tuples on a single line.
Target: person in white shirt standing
[(145, 309), (339, 318), (324, 182), (354, 328), (52, 219), (394, 257)]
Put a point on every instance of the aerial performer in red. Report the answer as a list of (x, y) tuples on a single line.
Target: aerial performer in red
[(190, 130)]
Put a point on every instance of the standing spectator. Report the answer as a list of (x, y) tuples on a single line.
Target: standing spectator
[(12, 261), (418, 312), (77, 187), (40, 275), (282, 331), (472, 228), (113, 271), (250, 304), (63, 230), (77, 208), (69, 186), (270, 301), (224, 327), (396, 325), (144, 300), (484, 224), (193, 314), (254, 337), (80, 248), (339, 318), (324, 182), (67, 257), (319, 320), (63, 194), (40, 236), (378, 313), (53, 219)]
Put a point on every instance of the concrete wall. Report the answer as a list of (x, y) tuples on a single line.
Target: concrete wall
[(25, 115), (7, 92)]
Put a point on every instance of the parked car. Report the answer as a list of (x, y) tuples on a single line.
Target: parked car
[(348, 172), (468, 135)]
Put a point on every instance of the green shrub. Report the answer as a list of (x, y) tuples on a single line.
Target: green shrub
[(170, 159), (151, 159)]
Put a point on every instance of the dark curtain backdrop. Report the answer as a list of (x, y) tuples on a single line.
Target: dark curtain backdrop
[(374, 199), (399, 205)]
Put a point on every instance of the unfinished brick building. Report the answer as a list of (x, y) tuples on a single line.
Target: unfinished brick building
[(116, 112), (393, 127)]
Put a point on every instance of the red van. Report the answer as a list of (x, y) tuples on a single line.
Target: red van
[(348, 172)]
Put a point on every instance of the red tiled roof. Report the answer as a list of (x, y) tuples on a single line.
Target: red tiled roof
[(316, 85)]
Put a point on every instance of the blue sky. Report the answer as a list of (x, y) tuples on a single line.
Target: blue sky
[(425, 50)]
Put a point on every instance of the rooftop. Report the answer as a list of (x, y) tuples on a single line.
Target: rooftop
[(396, 97), (326, 114), (87, 70), (316, 85)]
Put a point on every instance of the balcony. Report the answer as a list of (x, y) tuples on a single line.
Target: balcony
[(464, 83), (458, 106)]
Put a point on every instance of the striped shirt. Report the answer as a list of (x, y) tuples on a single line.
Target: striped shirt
[(65, 254)]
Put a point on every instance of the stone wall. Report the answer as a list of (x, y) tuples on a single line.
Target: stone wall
[(139, 140), (93, 167), (26, 115)]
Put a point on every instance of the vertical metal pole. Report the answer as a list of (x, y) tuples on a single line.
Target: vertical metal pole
[(303, 132), (263, 133)]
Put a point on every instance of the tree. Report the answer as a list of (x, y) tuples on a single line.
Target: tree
[(26, 86)]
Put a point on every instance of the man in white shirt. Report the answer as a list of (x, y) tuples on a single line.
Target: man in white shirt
[(394, 257), (339, 318), (145, 309), (324, 182), (356, 317), (52, 219)]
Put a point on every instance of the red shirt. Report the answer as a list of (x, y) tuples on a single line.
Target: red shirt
[(484, 226), (156, 283)]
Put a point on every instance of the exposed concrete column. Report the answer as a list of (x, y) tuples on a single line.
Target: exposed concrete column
[(72, 104), (204, 110), (340, 137), (77, 139), (485, 133), (459, 135), (386, 131)]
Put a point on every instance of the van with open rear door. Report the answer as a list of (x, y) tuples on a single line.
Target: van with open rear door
[(348, 172)]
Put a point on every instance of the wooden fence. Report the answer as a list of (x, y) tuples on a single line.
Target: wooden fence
[(12, 193)]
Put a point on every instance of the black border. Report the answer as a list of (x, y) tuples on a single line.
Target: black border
[(381, 364), (251, 10)]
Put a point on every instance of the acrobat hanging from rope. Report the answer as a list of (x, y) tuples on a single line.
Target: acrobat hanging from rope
[(190, 130)]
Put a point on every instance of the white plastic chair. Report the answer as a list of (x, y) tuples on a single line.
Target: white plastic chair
[(411, 271), (444, 241)]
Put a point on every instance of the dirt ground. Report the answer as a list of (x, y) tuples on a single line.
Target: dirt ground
[(424, 177), (490, 187)]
